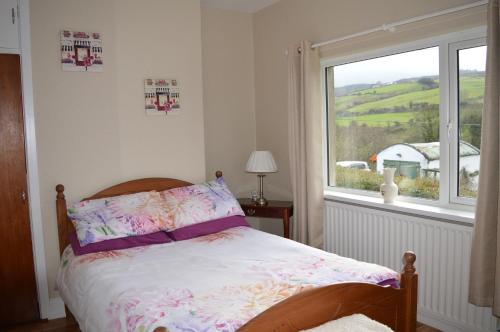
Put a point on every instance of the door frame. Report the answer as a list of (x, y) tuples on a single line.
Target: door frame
[(49, 307)]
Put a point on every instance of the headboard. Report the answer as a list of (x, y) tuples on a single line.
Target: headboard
[(65, 226)]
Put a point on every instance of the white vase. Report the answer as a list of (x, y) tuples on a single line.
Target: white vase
[(389, 189)]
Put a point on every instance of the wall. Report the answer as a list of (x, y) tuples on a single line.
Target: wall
[(290, 21), (228, 97), (92, 131)]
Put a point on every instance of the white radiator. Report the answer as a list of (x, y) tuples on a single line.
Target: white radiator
[(442, 249)]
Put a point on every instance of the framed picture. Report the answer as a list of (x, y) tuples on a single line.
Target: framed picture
[(161, 96), (81, 51)]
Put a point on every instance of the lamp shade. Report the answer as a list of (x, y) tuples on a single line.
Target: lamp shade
[(261, 162)]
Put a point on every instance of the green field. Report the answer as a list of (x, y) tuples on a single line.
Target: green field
[(377, 120), (402, 100), (399, 95), (472, 88), (369, 119), (374, 94)]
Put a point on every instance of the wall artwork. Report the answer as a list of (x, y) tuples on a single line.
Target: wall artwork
[(81, 51), (161, 96)]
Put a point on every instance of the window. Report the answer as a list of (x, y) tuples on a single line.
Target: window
[(386, 110), (468, 82)]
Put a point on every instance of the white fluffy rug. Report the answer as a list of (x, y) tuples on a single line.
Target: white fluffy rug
[(353, 323)]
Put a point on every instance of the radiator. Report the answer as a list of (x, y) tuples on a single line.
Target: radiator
[(442, 249)]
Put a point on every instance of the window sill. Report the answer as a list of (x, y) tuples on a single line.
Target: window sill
[(450, 214)]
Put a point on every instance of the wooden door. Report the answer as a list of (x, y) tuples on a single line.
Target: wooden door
[(18, 293)]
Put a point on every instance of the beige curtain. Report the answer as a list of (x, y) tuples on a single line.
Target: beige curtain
[(305, 143), (484, 287)]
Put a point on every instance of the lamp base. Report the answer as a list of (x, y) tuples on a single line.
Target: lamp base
[(261, 201)]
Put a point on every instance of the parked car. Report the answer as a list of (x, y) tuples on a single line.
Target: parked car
[(362, 165)]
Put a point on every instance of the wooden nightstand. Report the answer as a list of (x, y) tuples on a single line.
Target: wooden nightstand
[(274, 209)]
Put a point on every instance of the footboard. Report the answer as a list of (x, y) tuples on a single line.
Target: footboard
[(396, 308)]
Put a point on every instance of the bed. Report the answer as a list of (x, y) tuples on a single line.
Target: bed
[(237, 279)]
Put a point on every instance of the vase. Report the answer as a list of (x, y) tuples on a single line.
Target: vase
[(389, 189)]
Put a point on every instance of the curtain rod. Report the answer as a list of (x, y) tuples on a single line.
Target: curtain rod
[(392, 26)]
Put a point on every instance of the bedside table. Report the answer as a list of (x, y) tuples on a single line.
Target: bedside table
[(274, 209)]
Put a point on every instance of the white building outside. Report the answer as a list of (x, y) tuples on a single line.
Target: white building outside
[(422, 159)]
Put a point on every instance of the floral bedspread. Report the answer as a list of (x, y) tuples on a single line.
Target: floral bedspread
[(212, 283)]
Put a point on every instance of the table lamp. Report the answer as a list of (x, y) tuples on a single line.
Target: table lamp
[(261, 162)]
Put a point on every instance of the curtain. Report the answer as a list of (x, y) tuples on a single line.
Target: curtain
[(305, 143), (484, 285)]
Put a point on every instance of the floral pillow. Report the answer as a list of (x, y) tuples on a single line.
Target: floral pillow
[(199, 203), (116, 217)]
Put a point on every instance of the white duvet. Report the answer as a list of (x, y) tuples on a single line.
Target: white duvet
[(212, 283)]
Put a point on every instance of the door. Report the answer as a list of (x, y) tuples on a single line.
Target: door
[(18, 293), (409, 169), (9, 37)]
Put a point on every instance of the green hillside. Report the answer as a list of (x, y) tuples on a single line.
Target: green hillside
[(402, 100), (377, 120), (472, 88), (396, 102)]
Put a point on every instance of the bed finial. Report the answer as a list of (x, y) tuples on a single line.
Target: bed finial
[(409, 284), (409, 259), (60, 191), (218, 174), (62, 218)]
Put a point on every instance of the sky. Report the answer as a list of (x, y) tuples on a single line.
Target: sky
[(391, 68)]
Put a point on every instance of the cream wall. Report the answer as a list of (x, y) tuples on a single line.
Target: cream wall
[(228, 95), (290, 21), (92, 131)]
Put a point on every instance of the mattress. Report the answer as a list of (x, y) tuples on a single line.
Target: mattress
[(216, 282)]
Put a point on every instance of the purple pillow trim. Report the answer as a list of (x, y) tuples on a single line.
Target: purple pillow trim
[(207, 227), (394, 283), (117, 244)]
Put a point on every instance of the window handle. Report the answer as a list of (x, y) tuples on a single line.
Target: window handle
[(449, 127), (13, 16)]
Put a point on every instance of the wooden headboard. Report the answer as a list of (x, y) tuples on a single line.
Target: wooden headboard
[(65, 226)]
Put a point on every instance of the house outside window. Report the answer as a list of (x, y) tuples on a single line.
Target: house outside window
[(417, 108)]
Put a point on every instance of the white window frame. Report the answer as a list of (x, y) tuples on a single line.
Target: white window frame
[(454, 108), (448, 114)]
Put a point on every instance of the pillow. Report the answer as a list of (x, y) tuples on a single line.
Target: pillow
[(117, 244), (199, 203), (116, 217), (207, 227)]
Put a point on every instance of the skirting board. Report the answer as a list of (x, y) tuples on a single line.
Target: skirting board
[(56, 308)]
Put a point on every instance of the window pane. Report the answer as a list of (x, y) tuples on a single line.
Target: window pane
[(384, 112), (471, 73)]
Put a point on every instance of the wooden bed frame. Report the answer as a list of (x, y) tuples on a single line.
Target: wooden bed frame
[(396, 308)]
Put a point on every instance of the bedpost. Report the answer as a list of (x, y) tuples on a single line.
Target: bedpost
[(62, 218), (218, 174), (409, 284)]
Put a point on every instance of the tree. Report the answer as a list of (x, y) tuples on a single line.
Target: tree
[(427, 83), (428, 121)]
